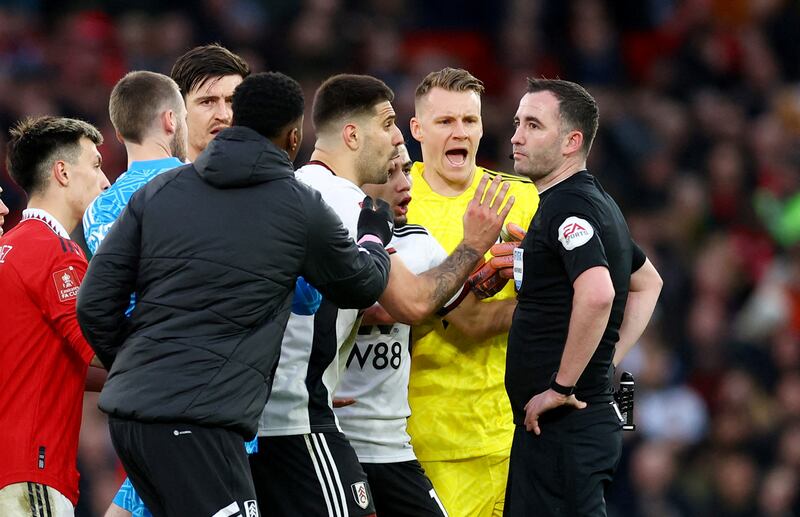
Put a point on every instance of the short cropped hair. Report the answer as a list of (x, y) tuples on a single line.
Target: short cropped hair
[(576, 106), (138, 99), (35, 143), (347, 95), (450, 79), (267, 103), (200, 64)]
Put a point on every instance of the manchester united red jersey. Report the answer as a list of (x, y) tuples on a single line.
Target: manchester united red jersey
[(43, 355)]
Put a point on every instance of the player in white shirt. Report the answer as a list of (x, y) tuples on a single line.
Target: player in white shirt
[(304, 465), (373, 391)]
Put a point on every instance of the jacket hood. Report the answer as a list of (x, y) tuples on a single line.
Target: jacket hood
[(239, 156)]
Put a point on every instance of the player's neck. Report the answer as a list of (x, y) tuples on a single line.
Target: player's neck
[(147, 150), (450, 185), (192, 153), (566, 170), (60, 211), (340, 165)]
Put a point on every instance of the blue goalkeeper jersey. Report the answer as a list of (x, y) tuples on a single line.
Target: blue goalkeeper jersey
[(105, 209)]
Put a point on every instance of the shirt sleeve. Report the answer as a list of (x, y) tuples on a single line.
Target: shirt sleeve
[(638, 257), (109, 283), (96, 224), (63, 281), (575, 234), (351, 276)]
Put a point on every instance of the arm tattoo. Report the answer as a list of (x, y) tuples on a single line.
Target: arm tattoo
[(451, 274)]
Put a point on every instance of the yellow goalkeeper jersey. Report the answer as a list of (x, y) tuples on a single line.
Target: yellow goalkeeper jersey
[(459, 406)]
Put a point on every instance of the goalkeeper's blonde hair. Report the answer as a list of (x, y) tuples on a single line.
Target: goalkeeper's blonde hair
[(450, 79)]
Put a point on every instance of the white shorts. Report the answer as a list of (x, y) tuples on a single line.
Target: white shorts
[(29, 499)]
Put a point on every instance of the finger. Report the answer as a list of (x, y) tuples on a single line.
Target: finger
[(504, 249), (501, 196), (491, 190), (367, 203), (515, 231), (506, 272), (503, 261), (507, 208), (383, 205), (481, 188), (575, 402)]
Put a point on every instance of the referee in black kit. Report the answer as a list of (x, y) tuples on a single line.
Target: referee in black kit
[(586, 293)]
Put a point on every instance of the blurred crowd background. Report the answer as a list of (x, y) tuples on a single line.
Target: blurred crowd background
[(699, 142)]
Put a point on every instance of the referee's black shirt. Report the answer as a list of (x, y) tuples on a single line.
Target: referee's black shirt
[(578, 226)]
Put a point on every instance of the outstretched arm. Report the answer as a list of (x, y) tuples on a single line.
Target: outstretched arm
[(411, 298)]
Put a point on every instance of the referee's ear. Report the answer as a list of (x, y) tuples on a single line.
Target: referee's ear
[(573, 142)]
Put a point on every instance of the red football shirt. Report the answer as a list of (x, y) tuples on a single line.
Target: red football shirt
[(43, 354)]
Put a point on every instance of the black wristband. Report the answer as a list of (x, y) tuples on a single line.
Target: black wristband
[(561, 390)]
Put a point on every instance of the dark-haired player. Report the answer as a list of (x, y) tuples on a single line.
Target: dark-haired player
[(43, 355), (207, 76), (304, 465), (191, 369)]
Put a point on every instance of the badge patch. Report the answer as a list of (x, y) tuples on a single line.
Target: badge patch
[(574, 232), (250, 508), (67, 284), (4, 249), (518, 269), (360, 494)]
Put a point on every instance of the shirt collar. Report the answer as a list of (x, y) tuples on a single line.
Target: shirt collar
[(38, 214), (162, 163)]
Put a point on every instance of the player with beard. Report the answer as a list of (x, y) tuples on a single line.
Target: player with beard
[(207, 76), (373, 391), (149, 118), (305, 465)]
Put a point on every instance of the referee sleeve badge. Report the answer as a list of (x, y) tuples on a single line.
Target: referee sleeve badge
[(574, 232)]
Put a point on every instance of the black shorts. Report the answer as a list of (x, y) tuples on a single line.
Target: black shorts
[(567, 469), (315, 474), (183, 469), (403, 490)]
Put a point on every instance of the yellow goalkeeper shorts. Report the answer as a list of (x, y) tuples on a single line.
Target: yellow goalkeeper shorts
[(473, 487)]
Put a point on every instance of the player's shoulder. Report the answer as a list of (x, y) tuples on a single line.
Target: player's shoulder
[(506, 176), (410, 229), (32, 243)]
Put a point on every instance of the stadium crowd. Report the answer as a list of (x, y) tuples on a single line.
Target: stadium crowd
[(699, 142)]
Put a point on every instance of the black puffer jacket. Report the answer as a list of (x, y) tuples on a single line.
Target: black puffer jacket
[(212, 251)]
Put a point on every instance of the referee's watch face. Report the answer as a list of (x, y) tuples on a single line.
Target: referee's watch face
[(208, 111)]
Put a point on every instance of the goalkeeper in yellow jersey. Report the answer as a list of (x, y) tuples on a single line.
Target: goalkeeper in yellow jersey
[(461, 424)]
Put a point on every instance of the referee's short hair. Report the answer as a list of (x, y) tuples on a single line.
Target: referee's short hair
[(576, 106), (138, 99), (267, 103), (347, 95), (200, 64), (36, 143)]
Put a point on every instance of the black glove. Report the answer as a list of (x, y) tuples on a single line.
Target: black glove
[(377, 222)]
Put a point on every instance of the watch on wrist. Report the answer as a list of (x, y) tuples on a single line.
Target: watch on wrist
[(558, 388)]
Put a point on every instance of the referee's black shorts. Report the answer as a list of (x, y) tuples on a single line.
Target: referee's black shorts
[(184, 469), (315, 474), (403, 490), (567, 469)]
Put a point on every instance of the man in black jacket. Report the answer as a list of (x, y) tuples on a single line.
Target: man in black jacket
[(212, 251)]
